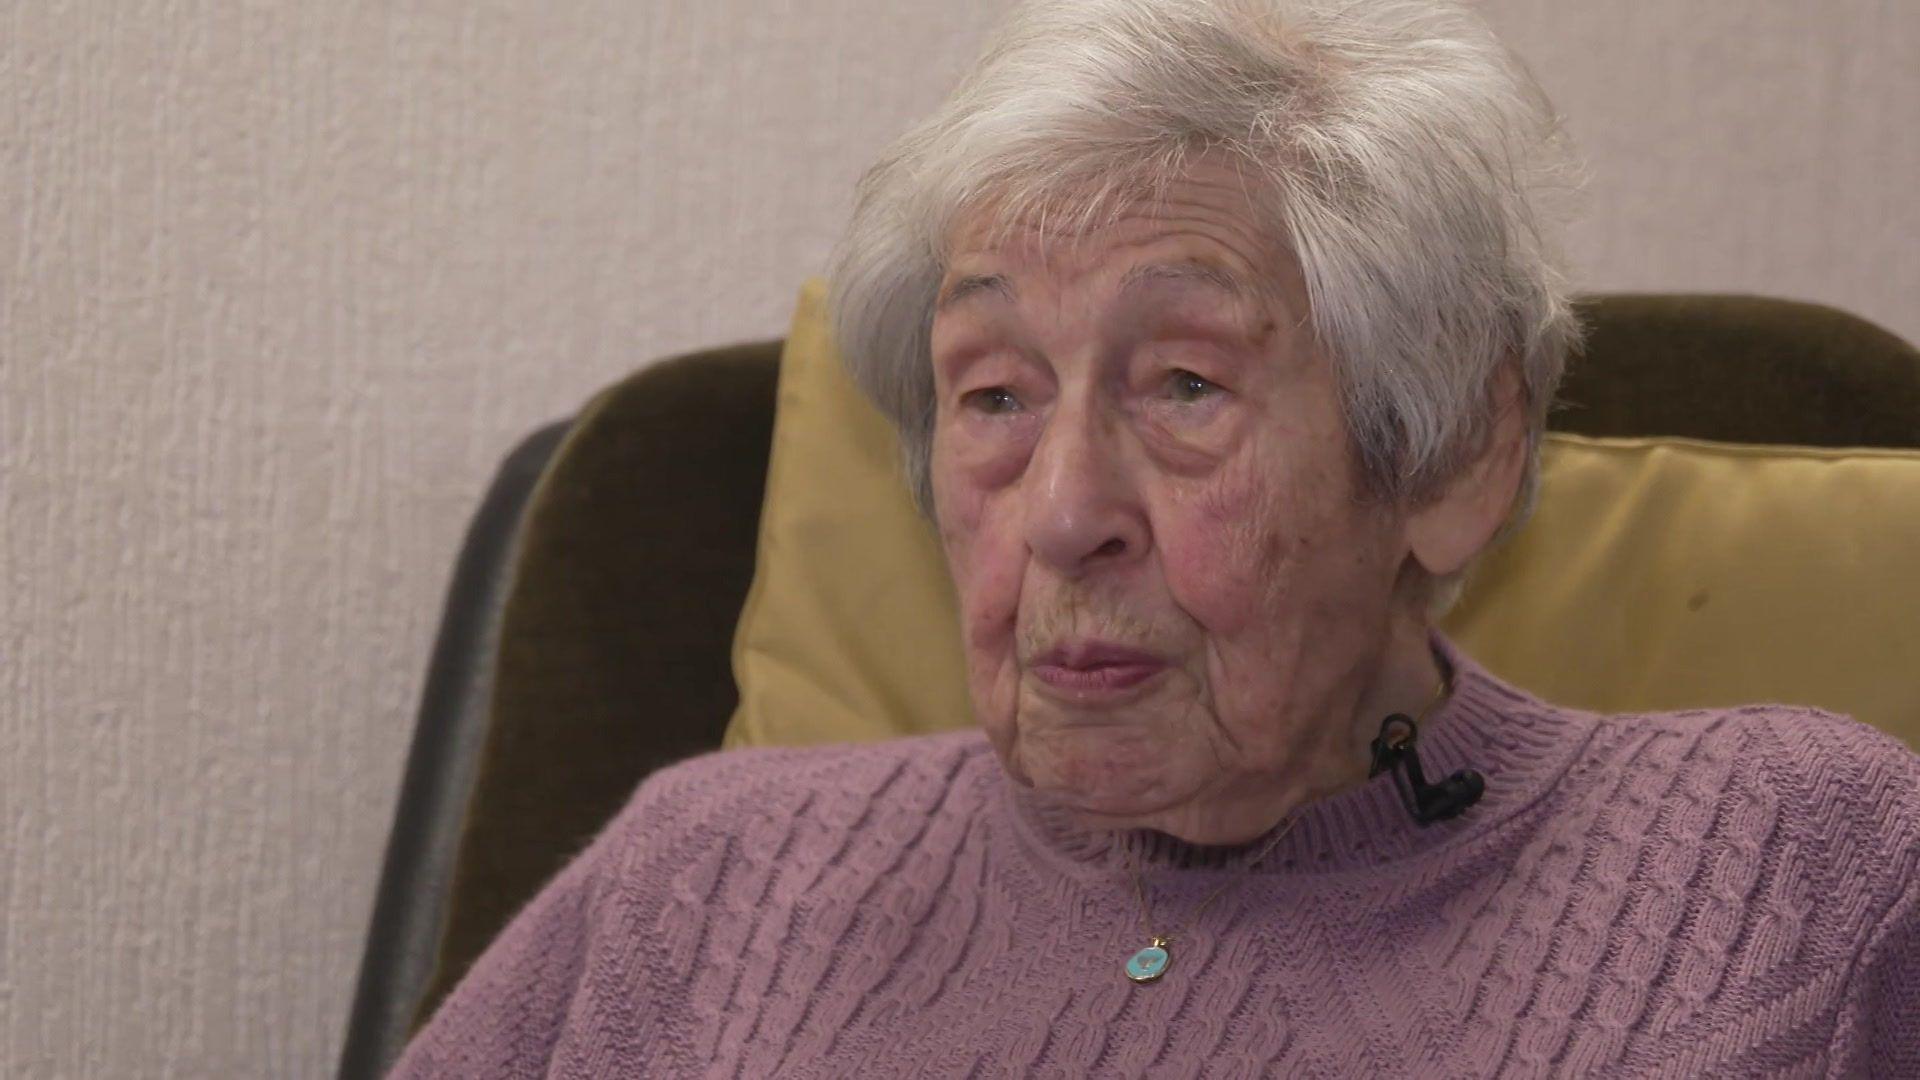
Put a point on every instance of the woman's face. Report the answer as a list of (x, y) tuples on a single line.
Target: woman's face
[(1174, 596)]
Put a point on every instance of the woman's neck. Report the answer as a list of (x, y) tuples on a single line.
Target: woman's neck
[(1519, 743), (1324, 759)]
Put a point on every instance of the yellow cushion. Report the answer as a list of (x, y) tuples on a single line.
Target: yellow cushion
[(1656, 574)]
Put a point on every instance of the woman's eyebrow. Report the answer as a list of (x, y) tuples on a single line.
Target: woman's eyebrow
[(1247, 304), (975, 285), (1186, 271), (1140, 277)]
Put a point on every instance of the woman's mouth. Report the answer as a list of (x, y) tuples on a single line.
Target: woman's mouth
[(1090, 672)]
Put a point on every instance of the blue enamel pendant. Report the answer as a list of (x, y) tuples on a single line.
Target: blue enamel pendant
[(1149, 963)]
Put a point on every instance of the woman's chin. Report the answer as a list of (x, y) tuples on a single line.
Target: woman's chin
[(1126, 784)]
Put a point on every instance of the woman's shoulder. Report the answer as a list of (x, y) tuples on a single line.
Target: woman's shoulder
[(1851, 780), (729, 775), (728, 795), (1831, 789), (1821, 756)]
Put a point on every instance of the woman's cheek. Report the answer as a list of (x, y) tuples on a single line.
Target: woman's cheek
[(992, 459), (989, 589), (956, 513), (1218, 541), (984, 557), (990, 595), (1207, 579)]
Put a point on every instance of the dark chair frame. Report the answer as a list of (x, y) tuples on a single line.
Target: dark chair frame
[(409, 910)]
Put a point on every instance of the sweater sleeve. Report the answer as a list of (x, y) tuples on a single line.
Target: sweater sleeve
[(505, 1016), (573, 970), (1878, 1030)]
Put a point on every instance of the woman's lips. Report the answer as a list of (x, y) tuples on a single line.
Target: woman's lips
[(1095, 671)]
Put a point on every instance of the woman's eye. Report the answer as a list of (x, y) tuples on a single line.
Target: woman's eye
[(1187, 388), (992, 399)]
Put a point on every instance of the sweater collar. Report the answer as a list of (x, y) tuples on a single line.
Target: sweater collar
[(1520, 744)]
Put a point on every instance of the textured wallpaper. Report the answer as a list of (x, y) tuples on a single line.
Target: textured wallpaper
[(280, 283)]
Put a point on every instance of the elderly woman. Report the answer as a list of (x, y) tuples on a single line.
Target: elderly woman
[(1219, 338)]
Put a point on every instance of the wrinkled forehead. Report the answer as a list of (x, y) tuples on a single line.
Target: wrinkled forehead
[(1181, 248), (1202, 233)]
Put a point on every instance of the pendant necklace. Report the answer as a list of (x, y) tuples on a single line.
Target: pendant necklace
[(1152, 962)]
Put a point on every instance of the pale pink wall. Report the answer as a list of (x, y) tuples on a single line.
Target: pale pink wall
[(1768, 146)]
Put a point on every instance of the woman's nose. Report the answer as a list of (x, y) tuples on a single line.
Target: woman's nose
[(1082, 510)]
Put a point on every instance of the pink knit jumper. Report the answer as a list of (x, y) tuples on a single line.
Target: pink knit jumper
[(1726, 893)]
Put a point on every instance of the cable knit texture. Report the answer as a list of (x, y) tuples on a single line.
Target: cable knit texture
[(1728, 893)]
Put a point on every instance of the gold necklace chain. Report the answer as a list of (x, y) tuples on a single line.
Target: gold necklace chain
[(1151, 962), (1146, 912)]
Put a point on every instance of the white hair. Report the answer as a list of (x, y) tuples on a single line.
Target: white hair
[(1399, 151)]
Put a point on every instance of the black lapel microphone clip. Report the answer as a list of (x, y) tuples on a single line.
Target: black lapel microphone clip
[(1427, 803)]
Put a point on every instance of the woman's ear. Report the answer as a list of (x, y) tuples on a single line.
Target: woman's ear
[(1445, 533)]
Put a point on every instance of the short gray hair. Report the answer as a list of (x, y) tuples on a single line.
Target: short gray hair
[(1406, 157)]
